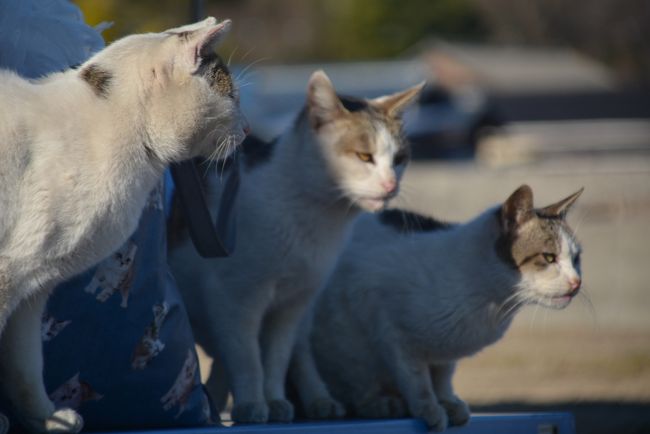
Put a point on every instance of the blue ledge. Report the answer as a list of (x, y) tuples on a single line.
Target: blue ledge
[(516, 423)]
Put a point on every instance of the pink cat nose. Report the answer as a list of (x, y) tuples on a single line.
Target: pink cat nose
[(574, 284), (390, 186)]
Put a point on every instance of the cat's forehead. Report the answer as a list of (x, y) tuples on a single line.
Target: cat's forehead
[(369, 130), (369, 116), (541, 235)]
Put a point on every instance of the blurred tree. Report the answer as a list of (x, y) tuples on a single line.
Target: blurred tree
[(371, 28), (298, 30), (135, 16), (614, 31)]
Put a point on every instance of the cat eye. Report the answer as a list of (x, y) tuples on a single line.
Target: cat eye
[(549, 257), (365, 157)]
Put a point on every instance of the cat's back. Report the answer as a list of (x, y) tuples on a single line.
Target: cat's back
[(395, 227), (388, 250)]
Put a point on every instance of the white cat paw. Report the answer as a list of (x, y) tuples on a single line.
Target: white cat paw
[(325, 408), (64, 420), (457, 411), (433, 414), (250, 412), (280, 410), (384, 407)]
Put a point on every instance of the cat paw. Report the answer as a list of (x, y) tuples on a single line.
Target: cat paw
[(280, 410), (64, 420), (384, 407), (4, 424), (457, 411), (250, 412), (433, 414), (325, 408)]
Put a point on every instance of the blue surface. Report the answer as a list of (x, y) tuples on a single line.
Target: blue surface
[(517, 423)]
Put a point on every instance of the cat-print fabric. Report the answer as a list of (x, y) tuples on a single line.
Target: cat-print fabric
[(117, 342)]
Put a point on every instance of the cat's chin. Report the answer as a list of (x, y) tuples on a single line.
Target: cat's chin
[(556, 302), (371, 204)]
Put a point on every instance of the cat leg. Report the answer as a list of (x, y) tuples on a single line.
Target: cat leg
[(312, 390), (457, 410), (21, 367), (4, 424), (414, 383), (277, 341), (240, 352)]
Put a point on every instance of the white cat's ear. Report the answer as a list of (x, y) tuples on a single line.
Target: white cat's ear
[(323, 105), (517, 209), (559, 209), (395, 104), (200, 39)]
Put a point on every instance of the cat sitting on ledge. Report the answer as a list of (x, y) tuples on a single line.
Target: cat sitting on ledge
[(411, 296)]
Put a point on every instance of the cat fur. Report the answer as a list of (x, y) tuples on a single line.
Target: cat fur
[(81, 150)]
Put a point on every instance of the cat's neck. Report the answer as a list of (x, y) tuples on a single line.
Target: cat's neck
[(483, 281), (111, 134)]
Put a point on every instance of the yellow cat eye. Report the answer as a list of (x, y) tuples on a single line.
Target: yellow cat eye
[(365, 157), (549, 257)]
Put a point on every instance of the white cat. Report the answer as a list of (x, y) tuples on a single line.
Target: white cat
[(403, 306), (81, 150), (295, 204)]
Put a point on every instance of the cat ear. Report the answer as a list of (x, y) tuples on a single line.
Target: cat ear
[(517, 209), (395, 104), (559, 209), (323, 105), (201, 39)]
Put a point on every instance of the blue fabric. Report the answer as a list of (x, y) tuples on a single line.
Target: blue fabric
[(117, 341)]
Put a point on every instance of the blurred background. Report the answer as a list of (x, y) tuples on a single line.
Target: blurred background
[(553, 93)]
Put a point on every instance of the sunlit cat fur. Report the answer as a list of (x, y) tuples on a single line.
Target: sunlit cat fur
[(294, 211), (80, 152), (404, 305)]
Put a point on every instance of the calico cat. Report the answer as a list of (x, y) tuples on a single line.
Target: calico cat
[(81, 150), (295, 204), (410, 296)]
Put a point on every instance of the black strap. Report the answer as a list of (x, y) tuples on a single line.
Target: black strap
[(212, 238)]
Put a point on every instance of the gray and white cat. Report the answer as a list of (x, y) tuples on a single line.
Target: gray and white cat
[(81, 150), (408, 299), (296, 202)]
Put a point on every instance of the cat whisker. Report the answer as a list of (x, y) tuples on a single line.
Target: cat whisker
[(250, 50), (232, 53), (250, 65), (510, 308), (578, 223), (532, 319), (584, 296)]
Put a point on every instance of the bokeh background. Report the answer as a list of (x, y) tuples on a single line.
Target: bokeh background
[(553, 93)]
